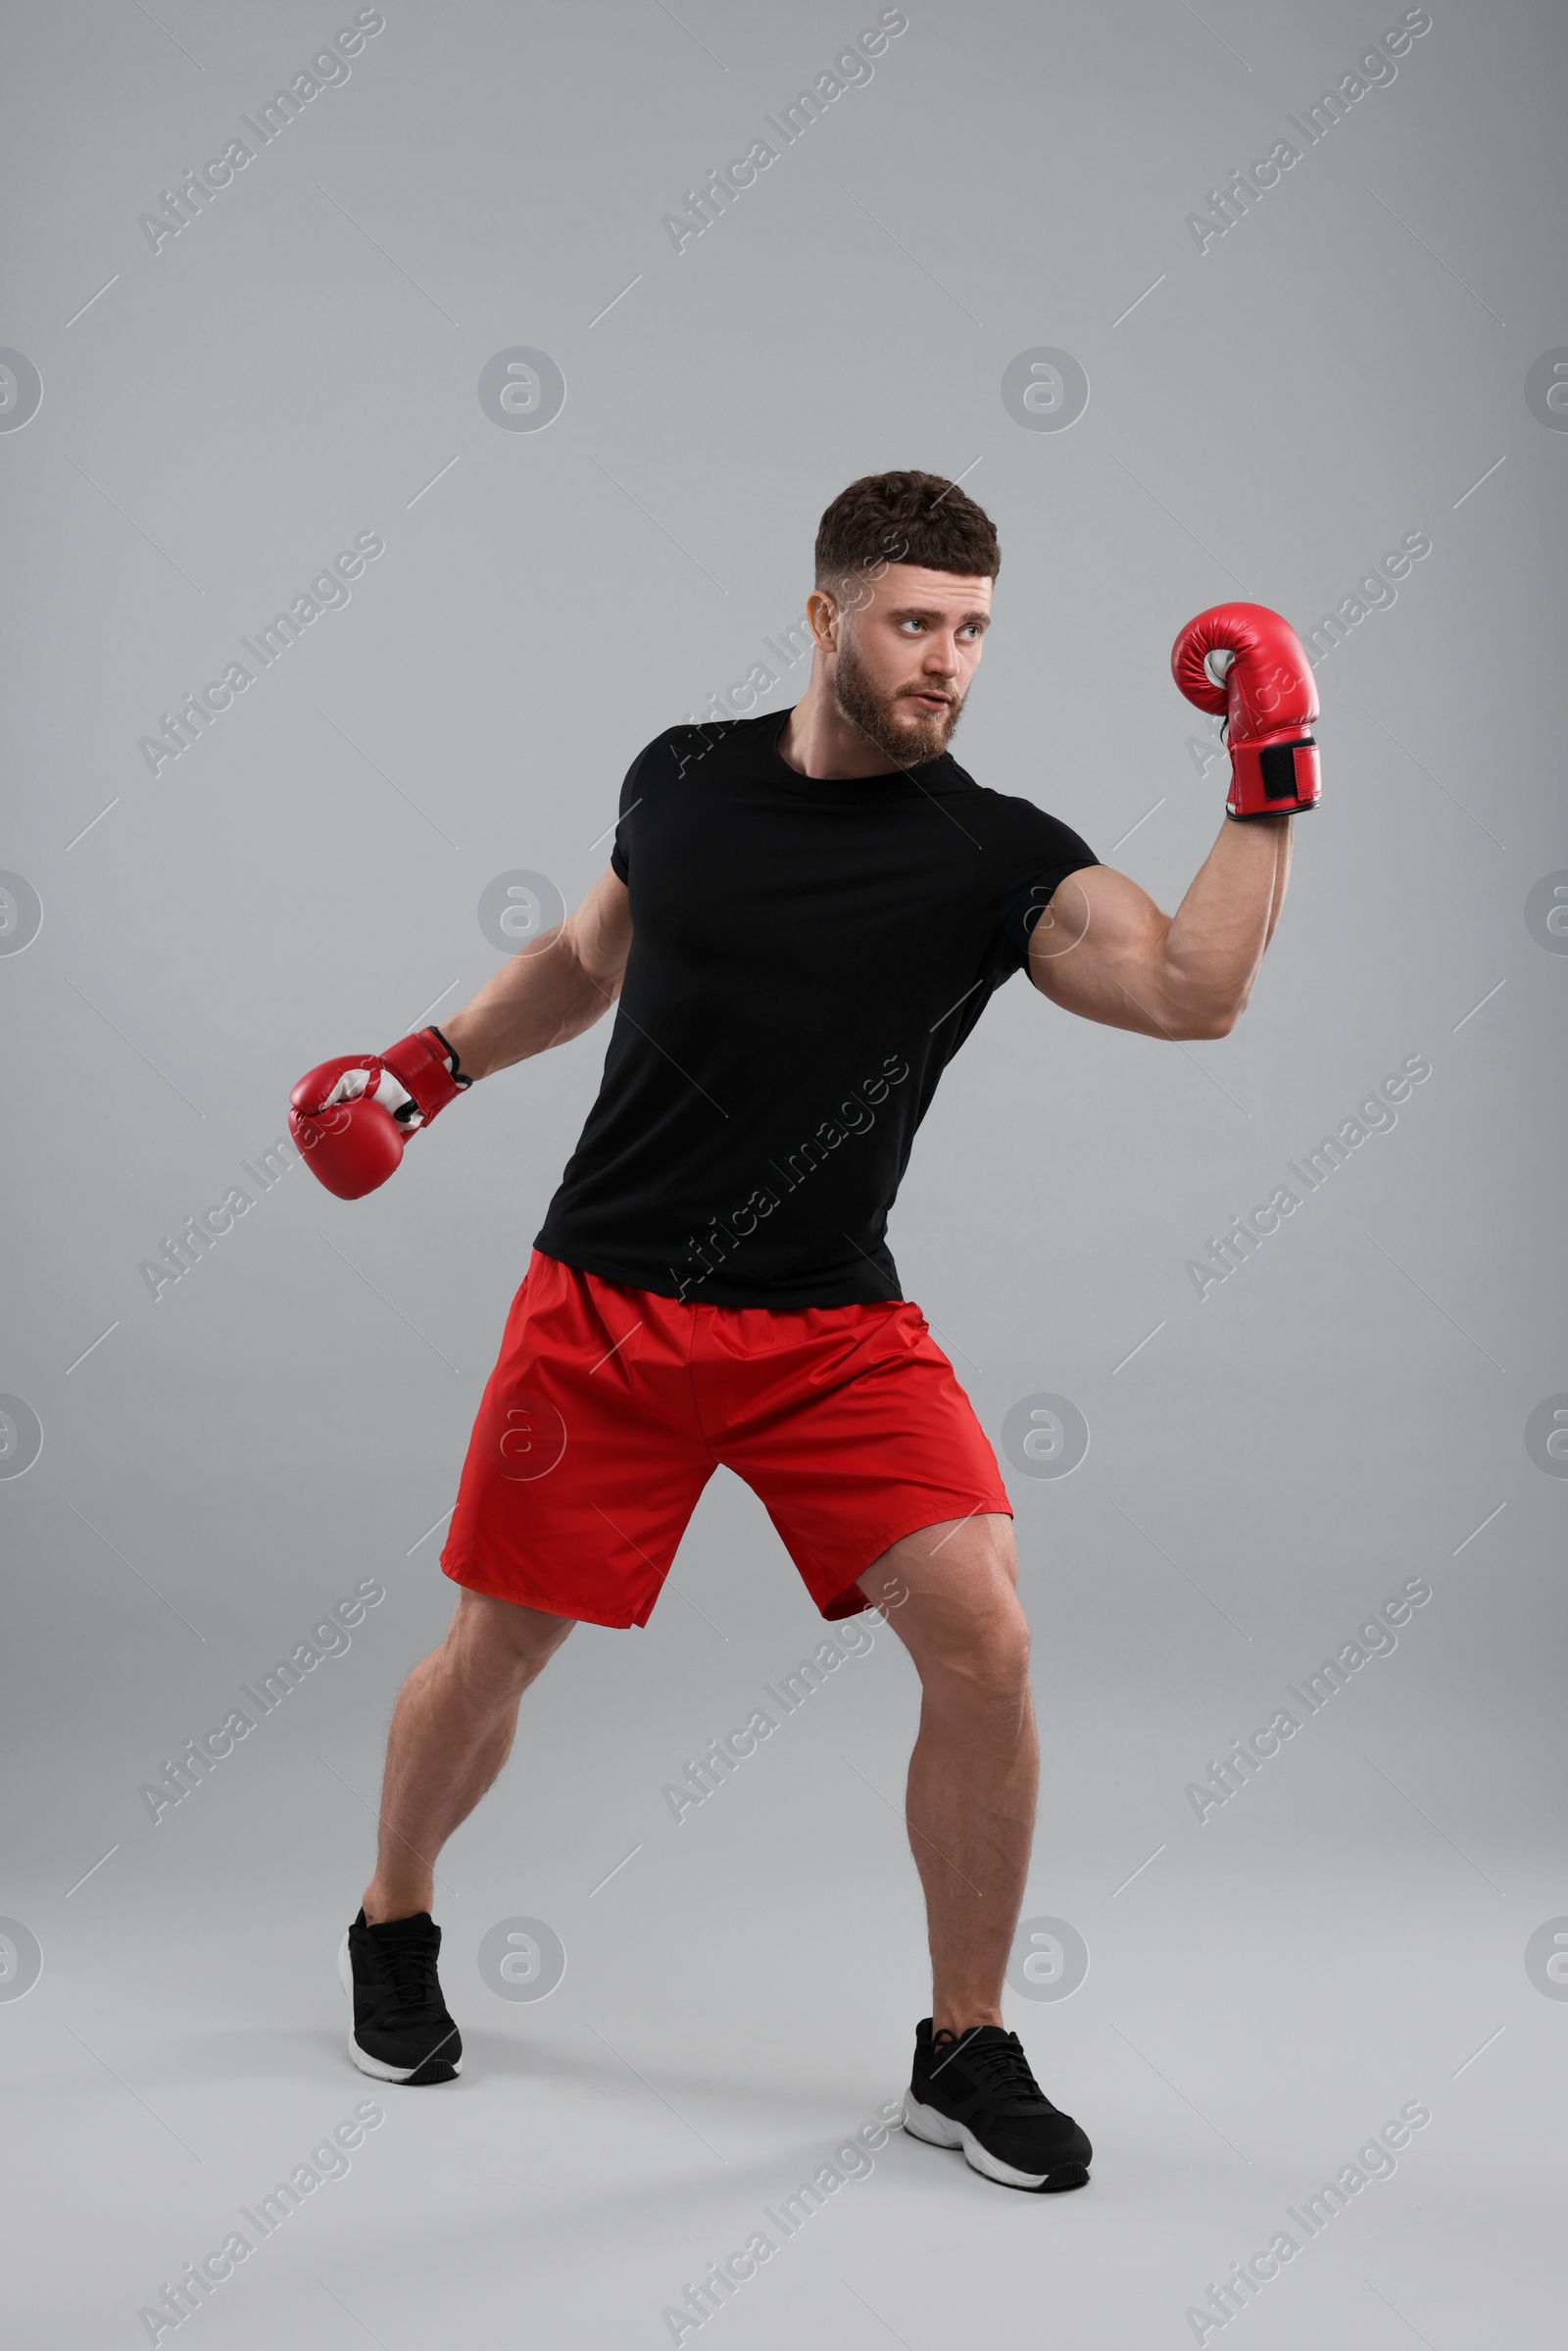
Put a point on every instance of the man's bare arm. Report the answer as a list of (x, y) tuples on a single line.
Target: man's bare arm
[(1102, 948), (553, 989)]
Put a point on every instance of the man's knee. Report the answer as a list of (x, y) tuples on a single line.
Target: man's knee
[(949, 1592), (496, 1647), (977, 1644), (988, 1649)]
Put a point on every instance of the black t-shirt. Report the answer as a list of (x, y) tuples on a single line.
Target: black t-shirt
[(807, 957)]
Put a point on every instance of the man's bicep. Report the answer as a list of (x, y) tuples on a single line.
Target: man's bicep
[(1095, 950), (600, 929)]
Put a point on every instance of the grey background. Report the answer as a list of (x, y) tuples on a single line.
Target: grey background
[(295, 367)]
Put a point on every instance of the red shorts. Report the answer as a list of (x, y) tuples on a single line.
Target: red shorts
[(610, 1408)]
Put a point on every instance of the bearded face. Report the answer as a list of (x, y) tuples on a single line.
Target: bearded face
[(910, 720)]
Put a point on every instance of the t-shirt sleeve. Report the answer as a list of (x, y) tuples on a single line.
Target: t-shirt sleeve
[(630, 794), (1045, 853)]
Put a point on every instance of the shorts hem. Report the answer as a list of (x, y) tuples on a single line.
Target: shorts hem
[(886, 1543), (471, 1581)]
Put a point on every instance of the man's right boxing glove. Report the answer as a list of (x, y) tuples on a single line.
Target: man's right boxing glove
[(1268, 701), (351, 1117)]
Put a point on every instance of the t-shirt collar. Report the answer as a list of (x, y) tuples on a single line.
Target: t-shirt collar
[(924, 773)]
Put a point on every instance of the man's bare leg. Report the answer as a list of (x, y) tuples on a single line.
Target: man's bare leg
[(949, 1592), (450, 1734)]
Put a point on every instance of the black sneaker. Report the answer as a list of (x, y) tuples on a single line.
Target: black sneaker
[(401, 2032), (974, 2090)]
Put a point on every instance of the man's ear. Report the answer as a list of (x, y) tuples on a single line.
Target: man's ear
[(822, 613)]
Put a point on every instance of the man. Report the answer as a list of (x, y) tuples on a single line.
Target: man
[(804, 916)]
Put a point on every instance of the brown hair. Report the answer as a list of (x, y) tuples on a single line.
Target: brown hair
[(904, 518)]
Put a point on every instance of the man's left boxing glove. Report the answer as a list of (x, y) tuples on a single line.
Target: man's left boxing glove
[(1268, 701), (351, 1117)]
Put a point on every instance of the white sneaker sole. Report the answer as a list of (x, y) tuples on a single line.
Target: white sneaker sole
[(366, 2062), (940, 2130)]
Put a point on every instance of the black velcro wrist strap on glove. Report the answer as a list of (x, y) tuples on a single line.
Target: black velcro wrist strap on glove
[(457, 1078)]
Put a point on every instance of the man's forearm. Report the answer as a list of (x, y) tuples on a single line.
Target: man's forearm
[(1217, 936), (542, 998)]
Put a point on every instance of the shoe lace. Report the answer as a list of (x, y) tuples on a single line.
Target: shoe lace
[(411, 1967), (1001, 2063)]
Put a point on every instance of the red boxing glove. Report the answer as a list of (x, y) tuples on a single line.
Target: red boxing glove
[(351, 1116), (1269, 701)]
